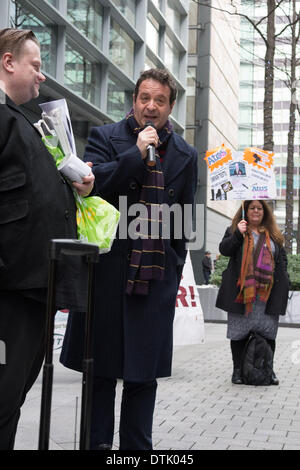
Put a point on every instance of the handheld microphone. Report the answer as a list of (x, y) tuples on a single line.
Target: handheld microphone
[(151, 158)]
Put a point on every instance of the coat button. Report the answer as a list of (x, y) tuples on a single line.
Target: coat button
[(133, 185), (171, 192), (67, 214)]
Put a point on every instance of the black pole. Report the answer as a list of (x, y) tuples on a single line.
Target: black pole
[(88, 364), (91, 252), (48, 365)]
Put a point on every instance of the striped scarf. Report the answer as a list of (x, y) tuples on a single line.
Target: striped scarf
[(147, 260), (256, 276)]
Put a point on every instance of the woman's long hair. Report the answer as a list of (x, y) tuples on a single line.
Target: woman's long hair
[(268, 221)]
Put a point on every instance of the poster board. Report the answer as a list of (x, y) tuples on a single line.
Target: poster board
[(188, 322)]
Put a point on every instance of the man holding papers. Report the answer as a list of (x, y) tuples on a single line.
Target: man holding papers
[(36, 205)]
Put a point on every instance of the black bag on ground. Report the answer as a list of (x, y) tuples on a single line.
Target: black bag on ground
[(257, 361)]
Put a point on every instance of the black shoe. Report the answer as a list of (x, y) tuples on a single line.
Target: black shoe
[(274, 380), (103, 447), (236, 377)]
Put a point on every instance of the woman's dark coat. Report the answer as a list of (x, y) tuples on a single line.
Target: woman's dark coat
[(231, 246), (133, 334)]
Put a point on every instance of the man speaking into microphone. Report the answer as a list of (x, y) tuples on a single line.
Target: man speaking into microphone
[(137, 281), (151, 156)]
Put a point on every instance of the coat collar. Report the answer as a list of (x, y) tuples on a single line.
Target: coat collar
[(178, 155), (16, 108)]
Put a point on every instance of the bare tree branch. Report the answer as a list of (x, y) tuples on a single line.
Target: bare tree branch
[(242, 15)]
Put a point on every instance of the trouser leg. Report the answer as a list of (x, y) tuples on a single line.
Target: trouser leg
[(237, 348), (22, 330), (206, 275), (103, 414), (272, 344), (137, 409)]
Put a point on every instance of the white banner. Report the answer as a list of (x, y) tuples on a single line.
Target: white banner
[(188, 322)]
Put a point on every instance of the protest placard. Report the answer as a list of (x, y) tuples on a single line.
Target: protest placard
[(242, 175)]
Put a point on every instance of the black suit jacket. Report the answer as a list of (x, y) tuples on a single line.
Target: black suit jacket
[(231, 246), (36, 203)]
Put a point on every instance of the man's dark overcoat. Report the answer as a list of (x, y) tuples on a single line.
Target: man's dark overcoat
[(231, 246), (36, 205), (133, 334)]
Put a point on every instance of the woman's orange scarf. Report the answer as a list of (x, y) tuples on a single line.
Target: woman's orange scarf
[(256, 276)]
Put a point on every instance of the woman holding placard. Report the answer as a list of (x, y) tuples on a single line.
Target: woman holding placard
[(255, 285)]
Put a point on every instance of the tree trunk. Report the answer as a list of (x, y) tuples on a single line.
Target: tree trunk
[(289, 202), (269, 78), (298, 232)]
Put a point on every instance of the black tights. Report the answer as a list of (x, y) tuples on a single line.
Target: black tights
[(237, 348)]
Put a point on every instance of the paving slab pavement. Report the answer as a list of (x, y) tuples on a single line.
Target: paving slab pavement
[(198, 408)]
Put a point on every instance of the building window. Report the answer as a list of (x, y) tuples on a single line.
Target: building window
[(127, 7), (192, 41), (172, 56), (152, 64), (245, 114), (53, 2), (21, 17), (173, 17), (121, 49), (245, 138), (80, 73), (157, 3), (152, 34), (193, 14), (191, 96), (115, 99), (87, 16), (190, 136)]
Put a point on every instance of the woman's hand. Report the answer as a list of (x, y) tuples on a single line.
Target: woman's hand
[(242, 226)]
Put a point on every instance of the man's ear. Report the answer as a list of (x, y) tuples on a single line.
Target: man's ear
[(133, 101), (172, 105), (8, 62)]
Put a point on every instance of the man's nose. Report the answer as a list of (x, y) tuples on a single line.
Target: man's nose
[(151, 104), (42, 77)]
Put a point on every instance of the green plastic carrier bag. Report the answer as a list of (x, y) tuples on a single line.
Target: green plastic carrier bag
[(97, 220)]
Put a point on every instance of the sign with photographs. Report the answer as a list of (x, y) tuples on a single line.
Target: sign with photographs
[(248, 174)]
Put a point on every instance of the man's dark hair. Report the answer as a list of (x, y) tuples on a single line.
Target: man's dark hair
[(12, 40), (162, 76)]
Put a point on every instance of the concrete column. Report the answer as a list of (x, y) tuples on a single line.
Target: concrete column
[(4, 14), (140, 48), (104, 88), (60, 57), (106, 29), (62, 6)]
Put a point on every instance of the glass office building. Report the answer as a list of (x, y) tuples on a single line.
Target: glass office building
[(94, 50), (252, 97), (212, 112)]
